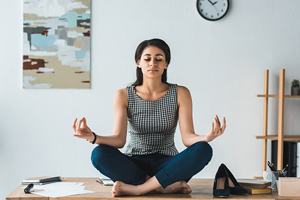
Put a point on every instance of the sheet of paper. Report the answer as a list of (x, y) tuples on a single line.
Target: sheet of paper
[(60, 189)]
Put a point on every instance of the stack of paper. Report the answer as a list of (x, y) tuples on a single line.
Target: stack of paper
[(255, 186), (253, 183), (60, 189)]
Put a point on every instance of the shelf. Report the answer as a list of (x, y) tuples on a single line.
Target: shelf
[(267, 95), (272, 137), (280, 137), (276, 95), (291, 96), (285, 138)]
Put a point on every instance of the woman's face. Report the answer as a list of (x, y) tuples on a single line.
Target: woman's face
[(152, 62)]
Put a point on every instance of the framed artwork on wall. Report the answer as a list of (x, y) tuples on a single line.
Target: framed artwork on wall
[(56, 44)]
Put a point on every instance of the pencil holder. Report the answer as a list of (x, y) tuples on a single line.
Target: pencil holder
[(279, 173), (276, 175)]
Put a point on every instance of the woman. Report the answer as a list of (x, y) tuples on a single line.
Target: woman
[(152, 107)]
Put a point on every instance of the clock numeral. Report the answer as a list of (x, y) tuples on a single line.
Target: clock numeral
[(218, 14), (201, 10), (212, 16), (222, 10), (224, 4), (205, 13)]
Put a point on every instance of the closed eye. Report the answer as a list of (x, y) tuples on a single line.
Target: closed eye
[(155, 59)]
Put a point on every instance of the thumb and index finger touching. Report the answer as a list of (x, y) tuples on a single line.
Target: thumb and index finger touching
[(77, 126), (217, 124)]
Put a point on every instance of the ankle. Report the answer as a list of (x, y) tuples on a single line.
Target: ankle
[(159, 190), (140, 190)]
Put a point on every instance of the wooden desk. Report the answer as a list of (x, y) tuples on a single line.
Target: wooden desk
[(202, 189)]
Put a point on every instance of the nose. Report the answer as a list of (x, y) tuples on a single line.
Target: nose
[(153, 62)]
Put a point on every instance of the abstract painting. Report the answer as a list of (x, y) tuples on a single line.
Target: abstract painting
[(56, 44)]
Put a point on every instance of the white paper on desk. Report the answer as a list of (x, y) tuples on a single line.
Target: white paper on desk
[(61, 189), (57, 184)]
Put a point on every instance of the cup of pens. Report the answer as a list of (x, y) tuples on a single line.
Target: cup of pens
[(275, 174)]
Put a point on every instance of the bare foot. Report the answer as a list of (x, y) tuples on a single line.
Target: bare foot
[(120, 189), (178, 187)]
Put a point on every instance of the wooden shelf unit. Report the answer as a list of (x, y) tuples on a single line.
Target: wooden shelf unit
[(285, 138), (280, 137), (276, 95)]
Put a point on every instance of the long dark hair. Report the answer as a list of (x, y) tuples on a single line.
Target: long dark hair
[(138, 53)]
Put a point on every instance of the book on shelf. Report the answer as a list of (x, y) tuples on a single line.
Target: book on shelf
[(298, 160), (258, 190), (250, 183), (289, 156), (41, 180)]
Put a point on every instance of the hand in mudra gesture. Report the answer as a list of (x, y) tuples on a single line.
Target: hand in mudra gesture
[(82, 130), (216, 129)]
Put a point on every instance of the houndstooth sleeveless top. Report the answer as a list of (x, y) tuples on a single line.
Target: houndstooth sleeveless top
[(152, 124)]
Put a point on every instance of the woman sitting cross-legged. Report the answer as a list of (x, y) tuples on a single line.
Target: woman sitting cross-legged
[(151, 108)]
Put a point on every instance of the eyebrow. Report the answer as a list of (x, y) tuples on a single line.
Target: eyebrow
[(155, 55)]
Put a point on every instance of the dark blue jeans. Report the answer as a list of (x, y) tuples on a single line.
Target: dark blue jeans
[(167, 169)]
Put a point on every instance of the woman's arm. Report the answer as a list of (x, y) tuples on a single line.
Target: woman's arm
[(118, 138), (186, 125)]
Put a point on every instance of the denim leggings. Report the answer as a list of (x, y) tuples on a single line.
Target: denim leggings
[(167, 169)]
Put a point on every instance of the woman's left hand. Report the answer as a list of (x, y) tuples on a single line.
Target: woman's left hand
[(216, 129), (82, 130)]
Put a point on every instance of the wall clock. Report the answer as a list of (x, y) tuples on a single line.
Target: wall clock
[(212, 10)]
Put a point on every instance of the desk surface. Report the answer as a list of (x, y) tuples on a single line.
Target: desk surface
[(201, 189)]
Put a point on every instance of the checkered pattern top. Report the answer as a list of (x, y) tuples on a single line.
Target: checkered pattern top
[(152, 124)]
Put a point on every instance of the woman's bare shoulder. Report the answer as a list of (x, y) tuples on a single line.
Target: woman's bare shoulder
[(183, 95), (122, 91), (121, 96), (182, 90)]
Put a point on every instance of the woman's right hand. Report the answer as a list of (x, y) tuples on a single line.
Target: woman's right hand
[(82, 130), (216, 129)]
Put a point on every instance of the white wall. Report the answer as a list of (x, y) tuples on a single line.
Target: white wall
[(222, 63)]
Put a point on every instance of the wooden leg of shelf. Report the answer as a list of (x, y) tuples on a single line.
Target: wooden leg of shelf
[(280, 120), (265, 120), (264, 156)]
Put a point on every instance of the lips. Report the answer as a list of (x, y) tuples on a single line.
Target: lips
[(152, 70)]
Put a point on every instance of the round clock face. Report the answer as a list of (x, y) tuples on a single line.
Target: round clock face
[(212, 9)]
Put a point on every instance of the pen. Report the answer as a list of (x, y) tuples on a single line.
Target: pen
[(99, 182), (274, 169), (285, 167), (28, 188), (271, 166)]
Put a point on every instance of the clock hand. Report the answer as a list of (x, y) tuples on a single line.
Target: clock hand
[(213, 4), (210, 2), (216, 9)]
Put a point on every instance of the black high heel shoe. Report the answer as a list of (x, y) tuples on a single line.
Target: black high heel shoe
[(221, 185), (234, 186)]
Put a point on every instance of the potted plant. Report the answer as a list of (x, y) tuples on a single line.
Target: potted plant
[(295, 87)]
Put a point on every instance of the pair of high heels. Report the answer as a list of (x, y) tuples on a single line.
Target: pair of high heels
[(226, 184)]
